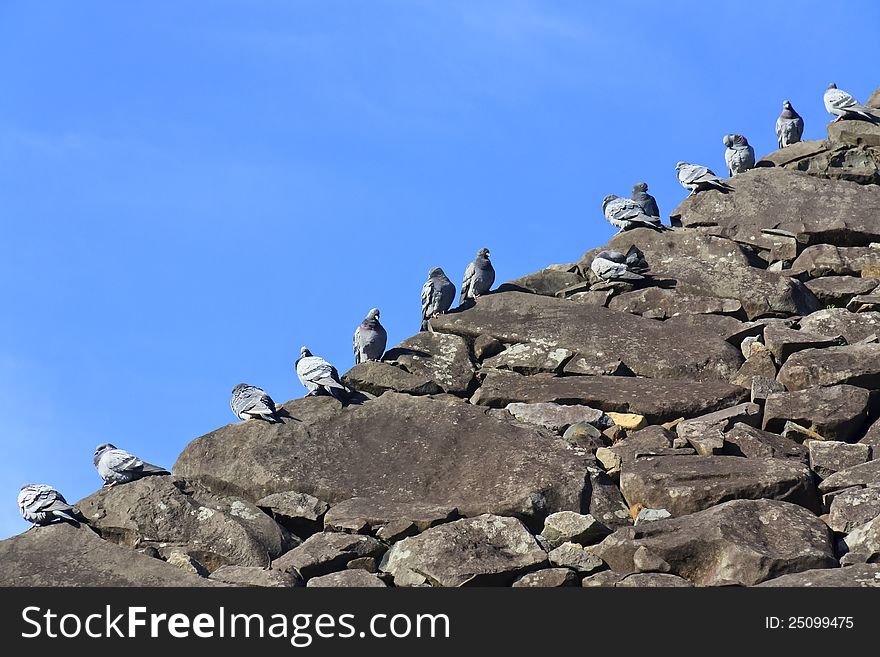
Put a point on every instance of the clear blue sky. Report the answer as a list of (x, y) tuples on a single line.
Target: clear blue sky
[(191, 191)]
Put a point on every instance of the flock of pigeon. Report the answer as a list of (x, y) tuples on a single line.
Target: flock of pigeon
[(41, 504), (640, 210)]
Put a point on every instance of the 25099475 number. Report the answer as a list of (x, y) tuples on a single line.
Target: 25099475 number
[(809, 622)]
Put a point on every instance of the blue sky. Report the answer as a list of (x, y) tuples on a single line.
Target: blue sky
[(191, 191)]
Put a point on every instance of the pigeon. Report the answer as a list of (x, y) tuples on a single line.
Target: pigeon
[(116, 466), (698, 178), (318, 375), (438, 293), (740, 156), (842, 105), (641, 196), (617, 266), (789, 126), (252, 402), (626, 214), (478, 277), (41, 504), (370, 338)]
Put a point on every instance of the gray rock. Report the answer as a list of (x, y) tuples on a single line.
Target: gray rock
[(442, 358), (828, 457), (576, 557), (824, 259), (485, 346), (659, 400), (763, 387), (397, 447), (706, 433), (857, 365), (815, 210), (854, 327), (760, 364), (660, 303), (872, 439), (852, 508), (63, 555), (585, 435), (347, 579), (837, 291), (687, 484), (187, 563), (851, 576), (643, 345), (557, 418), (865, 475), (254, 576), (374, 513), (651, 515), (606, 503), (571, 527), (737, 542), (547, 282), (836, 412), (653, 440), (377, 377), (652, 580), (548, 578), (323, 553), (712, 266), (301, 513), (169, 511), (476, 551), (863, 543), (783, 342), (525, 358), (747, 441), (646, 561)]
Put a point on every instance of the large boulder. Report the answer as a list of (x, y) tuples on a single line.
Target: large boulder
[(713, 266), (372, 514), (168, 512), (838, 291), (815, 210), (473, 551), (840, 321), (857, 365), (739, 542), (396, 447), (835, 412), (659, 400), (686, 484), (661, 303), (747, 441), (644, 346), (824, 259), (376, 377), (62, 555), (328, 551)]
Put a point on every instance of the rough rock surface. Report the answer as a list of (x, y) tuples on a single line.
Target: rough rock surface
[(473, 551), (851, 576), (444, 359), (835, 412), (687, 484), (839, 321), (61, 555), (738, 542), (326, 552), (857, 365), (254, 576), (347, 579)]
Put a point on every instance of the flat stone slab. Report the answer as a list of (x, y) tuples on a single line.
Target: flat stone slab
[(556, 417), (347, 579), (376, 512), (853, 508), (747, 441), (738, 542), (658, 400), (376, 378), (323, 553), (643, 345), (835, 412), (859, 575), (476, 551), (866, 475), (442, 358), (687, 484), (857, 365), (838, 291), (840, 321)]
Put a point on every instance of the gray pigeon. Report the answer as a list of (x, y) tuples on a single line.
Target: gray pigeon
[(438, 293), (317, 375), (41, 504), (641, 196), (370, 338), (617, 266), (626, 214), (116, 466), (740, 156), (478, 277), (252, 402), (789, 126), (842, 105), (698, 178)]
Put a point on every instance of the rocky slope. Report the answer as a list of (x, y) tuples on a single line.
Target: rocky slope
[(712, 425)]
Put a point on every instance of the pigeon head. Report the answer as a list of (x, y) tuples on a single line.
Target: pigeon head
[(436, 271), (728, 140), (373, 314), (483, 253), (103, 447), (26, 486), (607, 200), (786, 104), (239, 387), (832, 86), (640, 187), (680, 166), (304, 352)]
